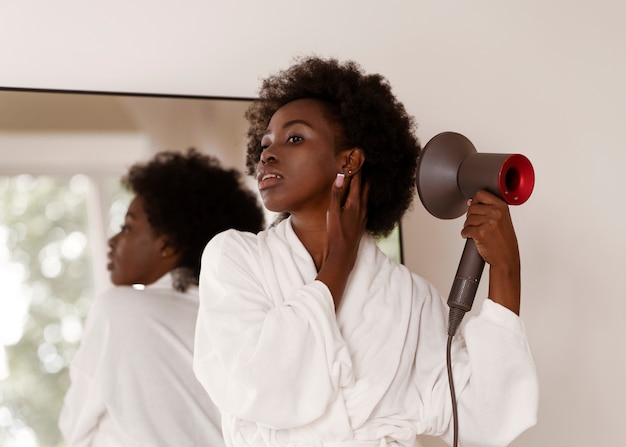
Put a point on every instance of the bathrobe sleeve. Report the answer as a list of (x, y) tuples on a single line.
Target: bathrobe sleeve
[(500, 399), (84, 404), (276, 360), (495, 381)]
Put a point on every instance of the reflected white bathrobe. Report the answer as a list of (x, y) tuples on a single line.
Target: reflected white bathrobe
[(132, 382), (286, 371)]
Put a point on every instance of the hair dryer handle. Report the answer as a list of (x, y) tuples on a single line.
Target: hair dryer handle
[(465, 285)]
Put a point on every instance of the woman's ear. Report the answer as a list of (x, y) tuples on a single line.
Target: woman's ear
[(353, 160), (166, 249)]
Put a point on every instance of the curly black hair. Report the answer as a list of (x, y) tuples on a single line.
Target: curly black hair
[(190, 198), (368, 116)]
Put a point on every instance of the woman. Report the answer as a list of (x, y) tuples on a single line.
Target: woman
[(307, 333), (132, 379)]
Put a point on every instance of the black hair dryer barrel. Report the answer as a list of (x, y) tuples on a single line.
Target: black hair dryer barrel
[(451, 171)]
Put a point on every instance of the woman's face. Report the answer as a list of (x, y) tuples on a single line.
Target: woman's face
[(299, 162), (135, 253)]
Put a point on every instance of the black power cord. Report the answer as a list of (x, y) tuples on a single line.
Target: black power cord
[(455, 417), (454, 321)]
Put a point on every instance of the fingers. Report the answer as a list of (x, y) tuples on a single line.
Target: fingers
[(356, 193), (337, 192), (348, 192), (486, 197), (348, 203), (488, 222), (484, 212)]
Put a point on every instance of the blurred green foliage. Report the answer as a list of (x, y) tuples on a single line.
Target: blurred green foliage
[(47, 284)]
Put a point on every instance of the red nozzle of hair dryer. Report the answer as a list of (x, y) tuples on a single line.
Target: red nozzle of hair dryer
[(509, 176)]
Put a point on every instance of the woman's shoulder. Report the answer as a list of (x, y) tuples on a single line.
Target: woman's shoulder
[(113, 310), (138, 298), (118, 295), (231, 249), (124, 309), (231, 239)]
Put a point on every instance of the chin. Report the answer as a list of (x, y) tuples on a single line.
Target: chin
[(115, 280), (273, 207)]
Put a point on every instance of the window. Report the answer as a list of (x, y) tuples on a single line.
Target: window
[(47, 246)]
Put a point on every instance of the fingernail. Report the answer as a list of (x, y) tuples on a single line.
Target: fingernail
[(469, 202), (339, 180)]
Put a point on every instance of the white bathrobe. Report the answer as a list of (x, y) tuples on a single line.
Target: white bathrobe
[(285, 370), (132, 381)]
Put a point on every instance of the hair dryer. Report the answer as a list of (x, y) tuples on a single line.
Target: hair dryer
[(450, 171)]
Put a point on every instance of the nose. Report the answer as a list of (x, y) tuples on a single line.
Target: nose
[(268, 156), (112, 239)]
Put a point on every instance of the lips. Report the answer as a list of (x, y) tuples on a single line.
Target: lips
[(267, 179)]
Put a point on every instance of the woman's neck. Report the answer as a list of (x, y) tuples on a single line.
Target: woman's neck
[(313, 235)]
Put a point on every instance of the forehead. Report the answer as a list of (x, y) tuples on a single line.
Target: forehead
[(135, 208), (312, 112)]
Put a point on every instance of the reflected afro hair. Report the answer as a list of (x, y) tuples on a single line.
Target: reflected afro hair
[(368, 115), (190, 198)]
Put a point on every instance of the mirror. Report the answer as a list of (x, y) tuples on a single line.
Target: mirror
[(61, 156), (31, 122)]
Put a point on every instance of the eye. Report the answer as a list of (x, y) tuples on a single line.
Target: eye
[(265, 143), (294, 139), (124, 228)]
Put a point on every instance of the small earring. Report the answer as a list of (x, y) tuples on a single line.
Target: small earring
[(163, 254), (349, 172)]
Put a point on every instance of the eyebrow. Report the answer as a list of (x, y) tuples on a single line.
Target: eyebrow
[(290, 123)]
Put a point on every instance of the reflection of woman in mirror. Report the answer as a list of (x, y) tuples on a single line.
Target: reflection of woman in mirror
[(307, 333), (132, 379)]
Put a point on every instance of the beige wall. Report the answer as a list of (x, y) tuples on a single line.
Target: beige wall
[(542, 78)]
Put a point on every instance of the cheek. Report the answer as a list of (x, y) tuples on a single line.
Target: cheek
[(325, 168), (134, 258), (143, 251)]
